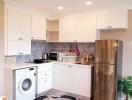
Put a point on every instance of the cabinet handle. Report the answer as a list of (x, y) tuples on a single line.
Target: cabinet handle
[(21, 38), (69, 66), (45, 74), (108, 27), (45, 81)]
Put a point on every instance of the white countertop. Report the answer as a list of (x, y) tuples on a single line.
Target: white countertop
[(26, 65)]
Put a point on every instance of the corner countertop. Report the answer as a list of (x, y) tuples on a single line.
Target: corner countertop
[(26, 65)]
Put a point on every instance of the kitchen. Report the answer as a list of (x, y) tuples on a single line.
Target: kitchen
[(64, 35)]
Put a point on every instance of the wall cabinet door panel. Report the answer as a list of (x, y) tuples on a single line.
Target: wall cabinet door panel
[(66, 29), (19, 47), (13, 24), (85, 29), (38, 27)]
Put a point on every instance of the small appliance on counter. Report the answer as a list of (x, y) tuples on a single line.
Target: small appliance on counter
[(57, 56), (45, 56), (69, 57), (87, 59)]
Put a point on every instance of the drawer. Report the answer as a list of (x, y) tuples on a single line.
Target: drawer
[(44, 85), (45, 74), (44, 67)]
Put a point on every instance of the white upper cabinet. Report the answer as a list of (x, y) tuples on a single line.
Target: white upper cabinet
[(113, 20), (38, 27), (85, 29), (103, 21), (18, 24), (119, 19), (19, 48), (17, 31), (77, 28), (66, 29)]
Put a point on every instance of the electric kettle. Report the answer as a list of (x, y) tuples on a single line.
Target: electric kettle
[(45, 56)]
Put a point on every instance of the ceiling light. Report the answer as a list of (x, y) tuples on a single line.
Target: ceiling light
[(89, 3), (60, 8)]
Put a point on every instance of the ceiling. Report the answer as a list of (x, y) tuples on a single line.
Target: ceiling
[(72, 6)]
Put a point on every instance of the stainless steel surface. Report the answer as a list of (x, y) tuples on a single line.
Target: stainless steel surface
[(107, 69), (45, 56), (106, 51)]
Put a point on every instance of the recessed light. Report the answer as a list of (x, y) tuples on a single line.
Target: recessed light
[(60, 7), (89, 3)]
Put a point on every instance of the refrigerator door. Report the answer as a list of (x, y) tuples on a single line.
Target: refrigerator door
[(99, 51), (105, 82), (109, 82), (106, 51), (98, 82)]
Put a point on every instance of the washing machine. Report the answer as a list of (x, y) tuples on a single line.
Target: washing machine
[(25, 80)]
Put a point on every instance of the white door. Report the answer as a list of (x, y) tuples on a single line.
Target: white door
[(19, 47), (18, 24), (25, 28), (85, 29), (13, 24), (44, 81), (103, 21), (60, 77), (81, 80), (66, 29), (119, 19), (38, 27)]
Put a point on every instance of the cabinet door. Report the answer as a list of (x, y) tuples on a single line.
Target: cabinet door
[(18, 24), (103, 21), (13, 24), (66, 29), (60, 77), (38, 27), (85, 29), (119, 19), (25, 28), (44, 82), (81, 80), (19, 47)]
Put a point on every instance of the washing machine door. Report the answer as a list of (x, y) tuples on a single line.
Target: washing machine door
[(27, 84)]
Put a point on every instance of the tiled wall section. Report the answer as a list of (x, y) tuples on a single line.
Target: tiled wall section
[(84, 48), (39, 47)]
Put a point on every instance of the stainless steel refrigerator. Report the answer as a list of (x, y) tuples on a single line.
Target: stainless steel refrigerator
[(107, 69)]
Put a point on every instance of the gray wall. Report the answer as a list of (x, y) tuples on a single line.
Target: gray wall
[(126, 37)]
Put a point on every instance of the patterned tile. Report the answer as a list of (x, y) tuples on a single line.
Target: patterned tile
[(39, 47)]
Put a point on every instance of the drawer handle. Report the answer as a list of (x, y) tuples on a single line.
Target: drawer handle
[(45, 74), (45, 81)]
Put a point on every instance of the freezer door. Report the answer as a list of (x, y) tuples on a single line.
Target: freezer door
[(105, 82), (99, 51), (106, 51), (110, 48)]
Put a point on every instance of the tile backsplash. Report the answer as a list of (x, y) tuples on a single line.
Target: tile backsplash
[(39, 47)]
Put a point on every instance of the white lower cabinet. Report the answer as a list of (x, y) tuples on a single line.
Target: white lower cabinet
[(60, 77), (44, 77), (81, 80), (72, 78)]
